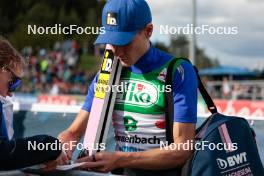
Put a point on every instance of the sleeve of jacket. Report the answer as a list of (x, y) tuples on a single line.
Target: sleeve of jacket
[(24, 152)]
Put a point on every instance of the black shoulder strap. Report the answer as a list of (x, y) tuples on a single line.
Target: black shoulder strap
[(169, 113), (169, 99)]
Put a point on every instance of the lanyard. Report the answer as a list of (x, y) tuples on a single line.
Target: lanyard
[(7, 118)]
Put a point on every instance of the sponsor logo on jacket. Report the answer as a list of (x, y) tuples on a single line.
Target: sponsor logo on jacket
[(138, 93)]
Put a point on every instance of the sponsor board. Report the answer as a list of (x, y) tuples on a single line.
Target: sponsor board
[(57, 99), (244, 108)]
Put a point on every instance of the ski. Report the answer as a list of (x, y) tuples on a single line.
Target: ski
[(103, 103)]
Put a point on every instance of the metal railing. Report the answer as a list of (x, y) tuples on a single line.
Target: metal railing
[(250, 90)]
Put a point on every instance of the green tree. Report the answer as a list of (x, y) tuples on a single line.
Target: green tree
[(179, 47), (16, 15)]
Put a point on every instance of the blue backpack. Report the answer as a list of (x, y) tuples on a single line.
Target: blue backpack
[(238, 155)]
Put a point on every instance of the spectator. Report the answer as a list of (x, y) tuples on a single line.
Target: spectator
[(226, 88), (15, 153), (60, 63)]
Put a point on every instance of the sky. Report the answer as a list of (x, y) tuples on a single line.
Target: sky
[(245, 49)]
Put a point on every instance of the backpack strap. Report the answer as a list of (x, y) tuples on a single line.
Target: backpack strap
[(169, 113), (169, 98)]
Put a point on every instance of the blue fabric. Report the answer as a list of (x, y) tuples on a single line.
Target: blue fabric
[(1, 121), (122, 20), (151, 60), (185, 94), (184, 87), (15, 153), (3, 130), (90, 95)]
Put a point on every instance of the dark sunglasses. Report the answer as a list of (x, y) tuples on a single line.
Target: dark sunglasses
[(15, 81)]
